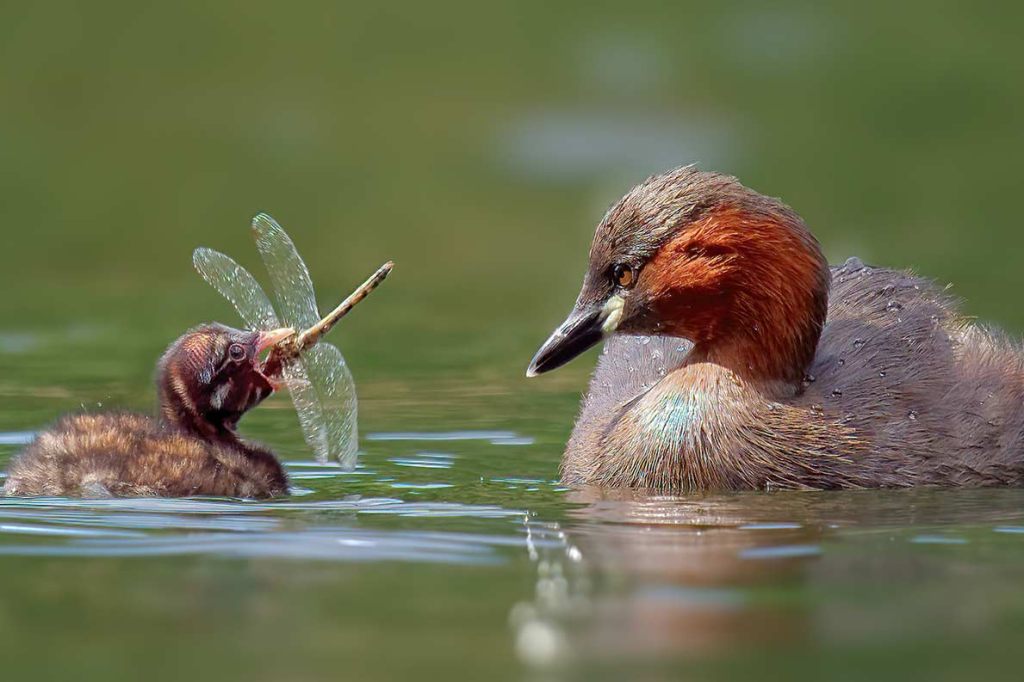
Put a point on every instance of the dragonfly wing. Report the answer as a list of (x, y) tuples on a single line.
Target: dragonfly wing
[(330, 373), (293, 287), (238, 286), (320, 381), (324, 394), (308, 407)]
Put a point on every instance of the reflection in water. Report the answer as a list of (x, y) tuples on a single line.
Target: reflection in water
[(687, 570), (560, 597), (635, 579), (649, 579)]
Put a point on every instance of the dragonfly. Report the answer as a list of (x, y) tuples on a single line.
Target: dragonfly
[(315, 372)]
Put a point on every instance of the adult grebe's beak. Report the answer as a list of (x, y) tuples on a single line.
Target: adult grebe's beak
[(586, 325), (271, 338)]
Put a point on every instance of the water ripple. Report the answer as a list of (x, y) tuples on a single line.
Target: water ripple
[(781, 552), (938, 540), (34, 529), (769, 526), (336, 544), (369, 505), (159, 526), (17, 437), (495, 437)]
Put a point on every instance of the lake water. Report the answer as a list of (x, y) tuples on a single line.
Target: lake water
[(452, 552)]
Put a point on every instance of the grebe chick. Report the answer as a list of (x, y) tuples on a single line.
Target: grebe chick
[(206, 381), (736, 359)]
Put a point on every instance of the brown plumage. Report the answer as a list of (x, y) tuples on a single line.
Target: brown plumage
[(206, 381), (737, 359)]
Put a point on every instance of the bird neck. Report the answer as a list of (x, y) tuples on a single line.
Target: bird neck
[(756, 299), (178, 411), (198, 425)]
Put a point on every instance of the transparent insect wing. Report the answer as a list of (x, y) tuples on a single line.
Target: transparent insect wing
[(330, 376), (289, 277), (320, 382), (309, 408), (238, 286)]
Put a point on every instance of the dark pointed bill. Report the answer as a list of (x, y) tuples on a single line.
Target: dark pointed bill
[(580, 331)]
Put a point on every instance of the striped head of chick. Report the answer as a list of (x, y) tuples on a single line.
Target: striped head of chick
[(213, 375)]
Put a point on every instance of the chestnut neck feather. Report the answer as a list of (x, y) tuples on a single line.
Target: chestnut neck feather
[(749, 286)]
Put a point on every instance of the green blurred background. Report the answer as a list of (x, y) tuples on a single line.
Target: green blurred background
[(477, 144)]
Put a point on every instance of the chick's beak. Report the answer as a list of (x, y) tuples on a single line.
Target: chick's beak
[(271, 338), (586, 325), (270, 369)]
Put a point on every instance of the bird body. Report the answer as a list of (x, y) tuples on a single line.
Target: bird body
[(739, 360), (132, 455), (206, 381)]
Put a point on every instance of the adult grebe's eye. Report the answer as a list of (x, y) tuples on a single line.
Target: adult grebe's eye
[(236, 352), (623, 275)]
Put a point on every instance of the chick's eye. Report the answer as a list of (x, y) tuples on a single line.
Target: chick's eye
[(236, 352), (623, 275)]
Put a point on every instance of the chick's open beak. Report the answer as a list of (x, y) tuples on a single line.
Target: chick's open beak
[(270, 369)]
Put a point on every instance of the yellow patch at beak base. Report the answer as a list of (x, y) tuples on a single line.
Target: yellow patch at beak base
[(611, 313)]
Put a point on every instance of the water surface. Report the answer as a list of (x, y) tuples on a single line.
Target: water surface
[(453, 552)]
